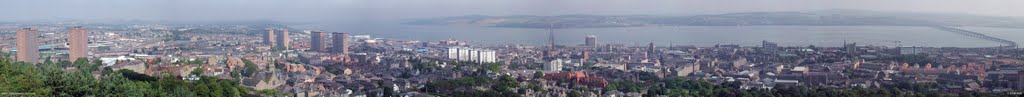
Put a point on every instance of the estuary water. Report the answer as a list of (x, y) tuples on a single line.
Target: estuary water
[(822, 36)]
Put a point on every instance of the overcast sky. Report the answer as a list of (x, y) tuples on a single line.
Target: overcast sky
[(329, 10)]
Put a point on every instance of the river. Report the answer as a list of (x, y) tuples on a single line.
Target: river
[(823, 36)]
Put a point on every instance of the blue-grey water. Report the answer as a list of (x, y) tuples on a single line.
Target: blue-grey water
[(690, 35), (1012, 34)]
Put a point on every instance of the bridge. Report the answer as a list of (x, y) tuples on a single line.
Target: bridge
[(1007, 43)]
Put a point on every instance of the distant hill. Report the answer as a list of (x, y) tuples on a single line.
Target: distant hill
[(837, 17)]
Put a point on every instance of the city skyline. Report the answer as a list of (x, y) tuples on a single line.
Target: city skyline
[(512, 48)]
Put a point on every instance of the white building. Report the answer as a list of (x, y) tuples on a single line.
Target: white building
[(488, 56), (911, 50), (553, 66), (361, 37), (453, 53), (464, 54), (472, 55)]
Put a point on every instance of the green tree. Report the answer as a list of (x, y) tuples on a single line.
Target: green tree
[(250, 68), (538, 74), (493, 67), (236, 74), (107, 70), (197, 71), (50, 79), (21, 78)]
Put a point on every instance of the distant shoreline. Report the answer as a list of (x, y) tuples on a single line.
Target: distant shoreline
[(814, 18)]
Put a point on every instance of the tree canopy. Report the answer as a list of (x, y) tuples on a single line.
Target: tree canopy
[(50, 79)]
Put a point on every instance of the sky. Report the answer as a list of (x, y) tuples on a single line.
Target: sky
[(342, 10)]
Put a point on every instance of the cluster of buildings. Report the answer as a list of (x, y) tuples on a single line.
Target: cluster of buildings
[(28, 43), (472, 55), (319, 42), (579, 77), (278, 40), (771, 66), (319, 63)]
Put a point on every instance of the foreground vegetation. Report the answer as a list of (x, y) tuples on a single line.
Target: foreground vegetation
[(84, 79)]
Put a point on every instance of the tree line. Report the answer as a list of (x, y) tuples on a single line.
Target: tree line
[(83, 78)]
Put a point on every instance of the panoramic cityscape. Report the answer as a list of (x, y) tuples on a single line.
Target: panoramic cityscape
[(510, 48)]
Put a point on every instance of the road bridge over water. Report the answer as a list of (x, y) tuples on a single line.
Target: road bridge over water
[(1006, 43)]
